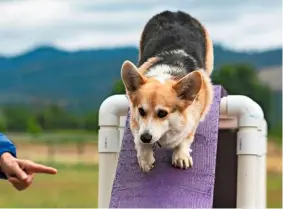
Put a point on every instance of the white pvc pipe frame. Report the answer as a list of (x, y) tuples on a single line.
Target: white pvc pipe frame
[(251, 147)]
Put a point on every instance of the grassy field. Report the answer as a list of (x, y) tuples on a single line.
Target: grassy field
[(274, 190), (76, 183), (73, 186)]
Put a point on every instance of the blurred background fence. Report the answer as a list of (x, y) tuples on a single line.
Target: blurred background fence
[(72, 148)]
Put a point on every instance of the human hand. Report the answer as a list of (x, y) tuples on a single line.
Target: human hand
[(20, 173)]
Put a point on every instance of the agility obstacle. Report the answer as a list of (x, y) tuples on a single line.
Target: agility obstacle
[(229, 153)]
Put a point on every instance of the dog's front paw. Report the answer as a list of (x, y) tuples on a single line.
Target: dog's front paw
[(182, 159), (146, 164)]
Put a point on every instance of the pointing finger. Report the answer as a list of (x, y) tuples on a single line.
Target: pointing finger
[(32, 167)]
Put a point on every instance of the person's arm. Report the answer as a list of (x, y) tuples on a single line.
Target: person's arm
[(6, 146), (19, 172)]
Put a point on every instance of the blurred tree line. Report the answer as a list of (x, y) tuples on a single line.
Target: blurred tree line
[(242, 79), (52, 117), (235, 78)]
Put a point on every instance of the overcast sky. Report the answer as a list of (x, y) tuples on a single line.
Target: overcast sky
[(85, 24)]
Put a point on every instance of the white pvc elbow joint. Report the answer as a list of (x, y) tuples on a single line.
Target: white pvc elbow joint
[(250, 119), (111, 108), (249, 113), (110, 113)]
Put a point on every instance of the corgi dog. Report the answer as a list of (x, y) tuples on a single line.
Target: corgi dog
[(169, 90)]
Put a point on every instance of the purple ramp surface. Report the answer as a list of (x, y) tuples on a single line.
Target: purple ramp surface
[(165, 186)]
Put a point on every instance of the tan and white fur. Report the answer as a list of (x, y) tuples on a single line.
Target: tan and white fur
[(170, 90)]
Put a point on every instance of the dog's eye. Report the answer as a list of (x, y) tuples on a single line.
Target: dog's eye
[(141, 111), (162, 113)]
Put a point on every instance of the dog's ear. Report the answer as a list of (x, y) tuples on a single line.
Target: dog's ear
[(131, 78), (188, 87)]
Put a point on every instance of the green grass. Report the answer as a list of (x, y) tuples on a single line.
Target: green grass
[(76, 186), (73, 186), (274, 190)]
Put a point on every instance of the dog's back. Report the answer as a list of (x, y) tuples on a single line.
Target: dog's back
[(179, 40)]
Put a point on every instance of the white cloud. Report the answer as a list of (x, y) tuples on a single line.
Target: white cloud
[(101, 40), (81, 24), (31, 14), (250, 31)]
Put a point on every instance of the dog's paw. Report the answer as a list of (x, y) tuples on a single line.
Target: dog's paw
[(181, 159), (146, 164)]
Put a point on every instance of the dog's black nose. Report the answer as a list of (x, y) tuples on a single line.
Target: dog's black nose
[(146, 137)]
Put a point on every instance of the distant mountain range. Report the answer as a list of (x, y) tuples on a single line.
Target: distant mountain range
[(81, 80)]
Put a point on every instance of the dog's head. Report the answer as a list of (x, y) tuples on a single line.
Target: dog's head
[(159, 107)]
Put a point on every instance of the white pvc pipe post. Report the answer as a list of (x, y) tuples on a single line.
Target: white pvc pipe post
[(109, 144), (122, 127), (249, 146), (247, 180), (107, 165), (261, 190)]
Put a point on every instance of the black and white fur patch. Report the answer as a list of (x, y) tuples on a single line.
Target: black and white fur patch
[(178, 40)]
